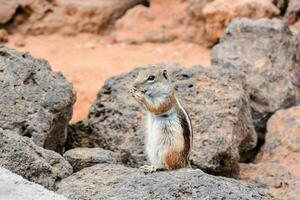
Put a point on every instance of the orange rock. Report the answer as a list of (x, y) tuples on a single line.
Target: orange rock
[(219, 13)]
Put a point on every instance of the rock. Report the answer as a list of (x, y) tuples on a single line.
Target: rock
[(15, 187), (274, 177), (3, 36), (66, 16), (215, 99), (163, 21), (80, 135), (7, 10), (292, 14), (21, 156), (106, 181), (219, 13), (34, 101), (156, 28), (283, 139), (264, 51), (15, 13), (81, 158), (199, 21)]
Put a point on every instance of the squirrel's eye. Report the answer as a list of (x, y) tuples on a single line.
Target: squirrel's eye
[(151, 78)]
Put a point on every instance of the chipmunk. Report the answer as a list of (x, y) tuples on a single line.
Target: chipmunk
[(169, 133)]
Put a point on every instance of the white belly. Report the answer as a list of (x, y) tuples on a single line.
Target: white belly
[(163, 134)]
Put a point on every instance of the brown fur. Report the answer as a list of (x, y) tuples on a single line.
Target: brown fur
[(163, 107), (175, 160), (176, 156)]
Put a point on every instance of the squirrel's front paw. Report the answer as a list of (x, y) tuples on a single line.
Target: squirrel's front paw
[(148, 169), (136, 94)]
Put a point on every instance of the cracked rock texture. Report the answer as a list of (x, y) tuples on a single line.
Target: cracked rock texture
[(34, 102), (265, 52), (106, 181), (15, 187), (81, 158), (21, 156), (215, 99)]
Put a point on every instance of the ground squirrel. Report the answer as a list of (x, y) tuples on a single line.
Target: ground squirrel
[(169, 133)]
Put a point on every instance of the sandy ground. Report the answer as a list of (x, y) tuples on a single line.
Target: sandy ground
[(88, 60)]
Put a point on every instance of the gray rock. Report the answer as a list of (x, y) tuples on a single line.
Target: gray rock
[(14, 187), (264, 51), (34, 101), (81, 158), (106, 181), (21, 156), (215, 99)]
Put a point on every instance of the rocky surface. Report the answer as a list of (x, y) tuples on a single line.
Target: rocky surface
[(15, 187), (34, 101), (67, 16), (202, 22), (277, 165), (118, 182), (283, 139), (21, 156), (219, 13), (264, 51), (274, 177), (81, 158), (217, 103)]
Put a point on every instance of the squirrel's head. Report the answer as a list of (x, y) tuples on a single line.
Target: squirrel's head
[(153, 83)]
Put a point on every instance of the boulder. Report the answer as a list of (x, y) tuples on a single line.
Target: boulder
[(81, 158), (66, 16), (199, 21), (15, 187), (264, 51), (155, 26), (34, 101), (292, 14), (215, 99), (274, 177), (283, 139), (219, 13), (106, 181), (21, 156)]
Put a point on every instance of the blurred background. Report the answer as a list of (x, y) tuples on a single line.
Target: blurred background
[(91, 40)]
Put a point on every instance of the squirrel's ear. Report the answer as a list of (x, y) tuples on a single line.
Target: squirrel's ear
[(165, 74)]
